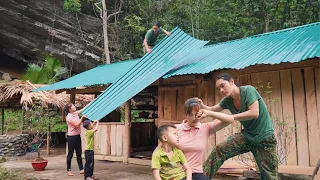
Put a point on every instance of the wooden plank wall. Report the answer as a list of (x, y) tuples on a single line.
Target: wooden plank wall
[(108, 140), (143, 134), (294, 105)]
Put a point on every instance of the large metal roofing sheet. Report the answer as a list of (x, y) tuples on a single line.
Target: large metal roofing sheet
[(166, 55), (288, 45), (101, 75)]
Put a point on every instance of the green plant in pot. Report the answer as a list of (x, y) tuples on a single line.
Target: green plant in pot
[(39, 164), (41, 119)]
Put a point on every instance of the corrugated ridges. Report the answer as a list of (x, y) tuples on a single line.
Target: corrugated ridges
[(166, 55), (288, 45), (101, 75)]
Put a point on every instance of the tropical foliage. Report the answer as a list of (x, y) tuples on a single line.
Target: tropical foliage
[(49, 73)]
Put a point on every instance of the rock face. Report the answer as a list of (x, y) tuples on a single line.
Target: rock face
[(13, 145), (31, 29)]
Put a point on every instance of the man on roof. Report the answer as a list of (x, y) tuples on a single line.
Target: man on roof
[(152, 34)]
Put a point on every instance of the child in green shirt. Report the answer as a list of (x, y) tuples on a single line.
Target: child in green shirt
[(89, 152), (168, 162)]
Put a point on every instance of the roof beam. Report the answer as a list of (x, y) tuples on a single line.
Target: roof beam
[(176, 87), (89, 90), (60, 91)]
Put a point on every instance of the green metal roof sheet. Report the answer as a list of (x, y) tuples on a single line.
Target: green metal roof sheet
[(101, 75), (288, 45), (167, 54)]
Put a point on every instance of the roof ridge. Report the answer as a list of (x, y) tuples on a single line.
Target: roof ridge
[(264, 34)]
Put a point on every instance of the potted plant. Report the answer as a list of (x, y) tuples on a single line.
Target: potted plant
[(38, 164), (41, 117)]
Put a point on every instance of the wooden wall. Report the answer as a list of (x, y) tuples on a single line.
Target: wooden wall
[(294, 103), (108, 140), (143, 135)]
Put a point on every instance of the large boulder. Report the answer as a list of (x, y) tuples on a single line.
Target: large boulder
[(31, 29)]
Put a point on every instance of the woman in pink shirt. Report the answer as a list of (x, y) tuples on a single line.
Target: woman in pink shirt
[(193, 135), (71, 115)]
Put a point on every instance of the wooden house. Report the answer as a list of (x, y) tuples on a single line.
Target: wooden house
[(283, 65)]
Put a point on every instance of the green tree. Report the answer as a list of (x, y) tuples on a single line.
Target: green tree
[(213, 20)]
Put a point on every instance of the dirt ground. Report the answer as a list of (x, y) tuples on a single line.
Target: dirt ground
[(105, 170)]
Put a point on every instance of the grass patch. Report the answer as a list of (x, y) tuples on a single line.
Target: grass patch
[(10, 175)]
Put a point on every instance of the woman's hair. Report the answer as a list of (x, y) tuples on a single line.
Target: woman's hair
[(190, 105), (66, 110)]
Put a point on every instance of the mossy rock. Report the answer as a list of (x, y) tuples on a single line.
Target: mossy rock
[(2, 160)]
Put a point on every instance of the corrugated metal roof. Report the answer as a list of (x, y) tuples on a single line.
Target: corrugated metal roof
[(288, 45), (166, 55), (101, 75)]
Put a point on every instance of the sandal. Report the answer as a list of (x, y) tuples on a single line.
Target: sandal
[(69, 173)]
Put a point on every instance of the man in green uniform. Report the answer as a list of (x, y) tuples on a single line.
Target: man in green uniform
[(152, 34), (257, 136)]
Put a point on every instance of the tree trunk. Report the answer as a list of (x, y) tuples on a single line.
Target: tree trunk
[(192, 26), (198, 18), (48, 138), (266, 29), (266, 17), (105, 31)]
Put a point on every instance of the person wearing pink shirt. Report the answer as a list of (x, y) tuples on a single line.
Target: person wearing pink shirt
[(193, 135), (71, 115)]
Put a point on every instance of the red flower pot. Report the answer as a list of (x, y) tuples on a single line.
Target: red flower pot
[(39, 165)]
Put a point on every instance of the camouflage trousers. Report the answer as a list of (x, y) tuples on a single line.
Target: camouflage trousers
[(265, 154)]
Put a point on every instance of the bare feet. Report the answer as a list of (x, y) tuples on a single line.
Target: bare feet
[(95, 178), (69, 173), (82, 171)]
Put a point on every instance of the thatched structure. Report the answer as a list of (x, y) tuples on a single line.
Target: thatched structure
[(17, 93)]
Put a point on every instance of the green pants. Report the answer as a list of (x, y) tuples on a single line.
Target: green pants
[(265, 154)]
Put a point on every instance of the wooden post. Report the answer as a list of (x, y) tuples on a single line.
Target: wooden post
[(73, 98), (127, 125), (22, 123), (2, 121)]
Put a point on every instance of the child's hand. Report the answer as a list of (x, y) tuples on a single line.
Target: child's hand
[(83, 117)]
